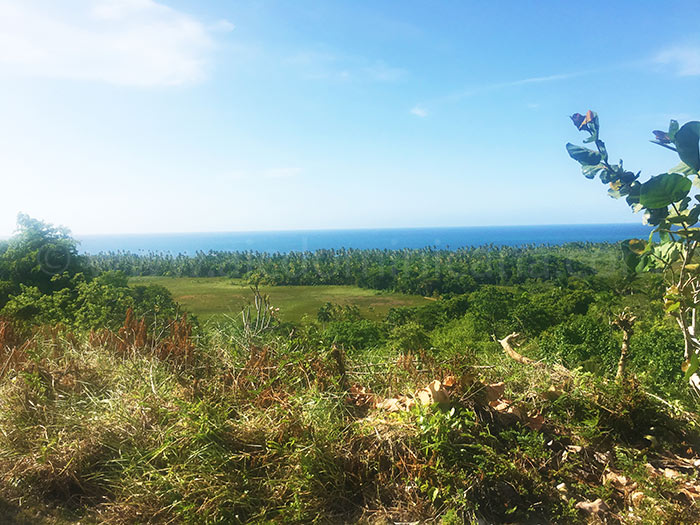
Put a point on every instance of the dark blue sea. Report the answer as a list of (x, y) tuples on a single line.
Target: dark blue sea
[(311, 240)]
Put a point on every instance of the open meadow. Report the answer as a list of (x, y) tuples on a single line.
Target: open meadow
[(215, 297)]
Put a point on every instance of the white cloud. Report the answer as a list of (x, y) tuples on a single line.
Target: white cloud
[(124, 42), (419, 111), (684, 59)]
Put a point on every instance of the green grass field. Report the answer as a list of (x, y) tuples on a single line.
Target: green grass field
[(209, 297)]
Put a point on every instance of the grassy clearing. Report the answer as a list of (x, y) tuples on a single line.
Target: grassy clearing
[(212, 297)]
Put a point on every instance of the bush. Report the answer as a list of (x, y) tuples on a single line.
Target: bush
[(656, 356), (409, 337), (460, 336), (358, 334), (98, 303), (493, 306), (431, 315), (583, 341)]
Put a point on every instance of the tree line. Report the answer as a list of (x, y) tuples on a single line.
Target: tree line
[(425, 271)]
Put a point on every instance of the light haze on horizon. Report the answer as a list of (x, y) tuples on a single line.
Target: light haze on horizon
[(136, 116)]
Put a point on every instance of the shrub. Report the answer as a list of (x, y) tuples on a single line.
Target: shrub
[(583, 341), (409, 337), (655, 356), (358, 334), (460, 336)]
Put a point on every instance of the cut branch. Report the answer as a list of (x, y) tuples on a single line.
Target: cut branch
[(507, 344)]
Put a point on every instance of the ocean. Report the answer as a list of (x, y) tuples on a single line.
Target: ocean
[(398, 238)]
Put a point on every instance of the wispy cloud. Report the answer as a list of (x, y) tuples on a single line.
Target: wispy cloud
[(124, 42), (486, 88), (540, 80), (419, 111), (683, 59), (422, 110)]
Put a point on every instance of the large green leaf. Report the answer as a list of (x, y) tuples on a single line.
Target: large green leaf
[(630, 255), (668, 252), (633, 195), (691, 365), (602, 150), (687, 141), (584, 156), (590, 172), (634, 252), (688, 217), (682, 168), (637, 246), (662, 190)]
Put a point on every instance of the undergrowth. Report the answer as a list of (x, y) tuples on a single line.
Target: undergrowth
[(263, 427)]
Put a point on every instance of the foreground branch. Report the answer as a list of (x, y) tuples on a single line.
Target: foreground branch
[(507, 343)]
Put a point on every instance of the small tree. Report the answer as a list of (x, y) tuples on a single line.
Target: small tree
[(40, 255), (671, 210)]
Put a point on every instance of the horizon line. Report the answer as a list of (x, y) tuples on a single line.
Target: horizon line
[(368, 229)]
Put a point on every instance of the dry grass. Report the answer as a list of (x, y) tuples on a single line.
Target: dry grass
[(169, 342), (127, 427)]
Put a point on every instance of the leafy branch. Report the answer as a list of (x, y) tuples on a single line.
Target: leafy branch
[(665, 201)]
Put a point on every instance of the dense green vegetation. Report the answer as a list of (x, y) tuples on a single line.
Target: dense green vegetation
[(43, 280), (423, 272), (119, 406)]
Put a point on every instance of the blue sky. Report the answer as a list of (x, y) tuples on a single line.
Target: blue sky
[(180, 116)]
